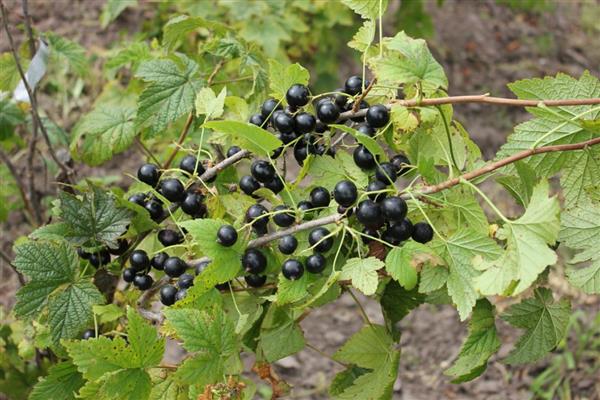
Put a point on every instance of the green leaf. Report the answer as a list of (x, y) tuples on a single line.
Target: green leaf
[(94, 220), (170, 94), (9, 74), (363, 39), (282, 77), (179, 26), (401, 262), (366, 348), (168, 389), (210, 105), (65, 50), (251, 137), (280, 335), (397, 302), (107, 313), (432, 278), (370, 143), (368, 9), (289, 291), (146, 346), (527, 253), (362, 273), (479, 346), (10, 117), (545, 324), (70, 311), (112, 9), (62, 383), (107, 130)]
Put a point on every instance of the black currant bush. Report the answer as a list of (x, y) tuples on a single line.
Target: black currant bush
[(261, 200)]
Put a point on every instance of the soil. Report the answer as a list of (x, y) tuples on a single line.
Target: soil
[(482, 45)]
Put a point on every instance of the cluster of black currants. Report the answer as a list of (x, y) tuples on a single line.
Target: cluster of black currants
[(103, 256)]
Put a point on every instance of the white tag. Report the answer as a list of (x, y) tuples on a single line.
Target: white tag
[(35, 72)]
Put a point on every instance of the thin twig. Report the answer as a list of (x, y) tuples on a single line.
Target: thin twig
[(145, 150), (330, 219), (20, 185), (361, 309), (6, 259), (364, 94)]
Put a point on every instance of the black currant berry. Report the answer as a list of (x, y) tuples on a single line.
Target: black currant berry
[(369, 214), (169, 237), (275, 185), (191, 165), (402, 230), (262, 171), (201, 266), (138, 198), (348, 211), (123, 246), (269, 107), (254, 261), (257, 119), (305, 123), (297, 95), (158, 261), (155, 209), (248, 184), (283, 219), (353, 85), (149, 174), (139, 260), (345, 193), (328, 112), (192, 204), (256, 215), (180, 295), (305, 206), (422, 232), (284, 123), (366, 129), (83, 254), (185, 281), (369, 234), (401, 163), (320, 197), (389, 237), (320, 127), (129, 274), (233, 150), (315, 263), (394, 209), (378, 116), (376, 186), (292, 269), (227, 235), (277, 152), (172, 189), (255, 280), (318, 238), (167, 295), (287, 138), (100, 258), (386, 172), (174, 266), (360, 118), (143, 282), (88, 334), (301, 152), (363, 158), (287, 244), (340, 99)]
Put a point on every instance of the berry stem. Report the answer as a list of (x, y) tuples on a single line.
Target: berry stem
[(449, 136), (182, 136), (487, 200), (361, 309)]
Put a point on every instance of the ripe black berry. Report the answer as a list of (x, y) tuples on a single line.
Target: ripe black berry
[(149, 174), (155, 209), (401, 163), (394, 209), (83, 254), (123, 246), (284, 123), (233, 150), (256, 215), (158, 261), (317, 238), (328, 112), (143, 282), (320, 197), (191, 165), (249, 185), (377, 186), (386, 172), (305, 206), (320, 127), (275, 185), (292, 269), (88, 334), (287, 138), (268, 108), (185, 281), (304, 123), (389, 237), (402, 230), (180, 295), (366, 129), (139, 260), (174, 267), (257, 119), (378, 116), (340, 99), (369, 234), (172, 189), (283, 219), (262, 171), (363, 157), (192, 204), (277, 152), (345, 193), (422, 232), (255, 280), (227, 235), (129, 274), (201, 266), (169, 237), (348, 211), (100, 258), (138, 198), (167, 295), (253, 261), (369, 214), (353, 85), (288, 244), (297, 95), (360, 118), (315, 263), (301, 152)]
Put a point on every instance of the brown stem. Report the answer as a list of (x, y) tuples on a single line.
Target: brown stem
[(263, 240), (6, 259), (364, 94), (20, 185)]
